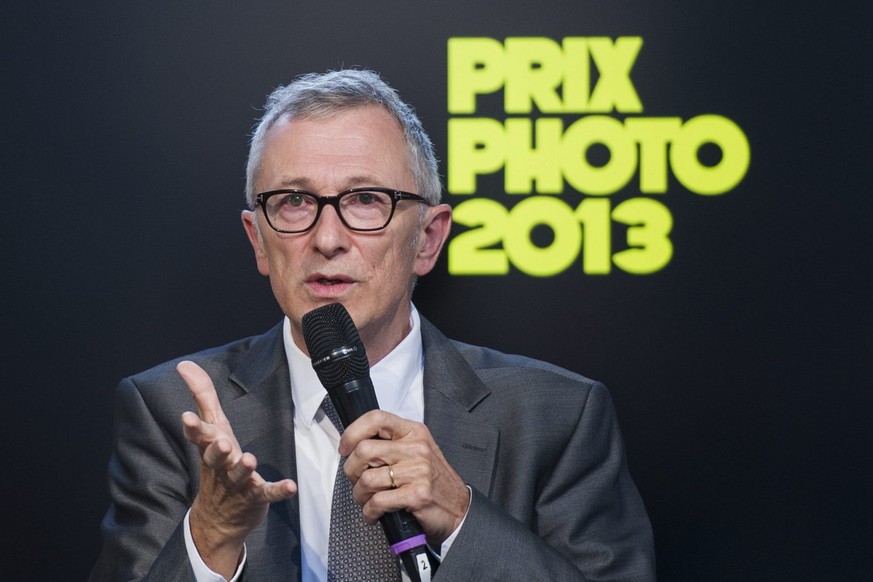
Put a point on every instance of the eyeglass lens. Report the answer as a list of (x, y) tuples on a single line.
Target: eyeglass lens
[(297, 211)]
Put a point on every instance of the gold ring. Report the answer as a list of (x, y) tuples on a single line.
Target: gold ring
[(391, 476)]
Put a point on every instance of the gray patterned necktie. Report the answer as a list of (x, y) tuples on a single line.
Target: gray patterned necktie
[(357, 552)]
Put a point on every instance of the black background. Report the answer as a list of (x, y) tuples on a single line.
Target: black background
[(741, 372)]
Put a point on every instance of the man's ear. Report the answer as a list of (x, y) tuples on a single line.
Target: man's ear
[(434, 231), (253, 231)]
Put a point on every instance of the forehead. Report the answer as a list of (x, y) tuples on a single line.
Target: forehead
[(351, 147)]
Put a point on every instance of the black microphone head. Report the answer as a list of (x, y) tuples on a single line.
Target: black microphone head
[(337, 353)]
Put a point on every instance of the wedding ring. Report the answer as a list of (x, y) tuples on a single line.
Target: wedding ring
[(391, 476)]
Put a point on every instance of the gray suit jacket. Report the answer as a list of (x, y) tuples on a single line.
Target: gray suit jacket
[(540, 447)]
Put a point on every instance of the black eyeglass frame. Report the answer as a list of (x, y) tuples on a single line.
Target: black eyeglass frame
[(322, 201)]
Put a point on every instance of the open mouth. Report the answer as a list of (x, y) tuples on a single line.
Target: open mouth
[(323, 281), (329, 282)]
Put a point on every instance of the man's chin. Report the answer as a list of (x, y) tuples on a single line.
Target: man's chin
[(297, 311)]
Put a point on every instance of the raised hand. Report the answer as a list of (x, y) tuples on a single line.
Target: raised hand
[(233, 498)]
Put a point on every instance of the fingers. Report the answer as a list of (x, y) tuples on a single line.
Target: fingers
[(242, 476), (197, 431), (376, 424), (394, 464), (384, 478), (406, 476), (391, 478), (211, 431), (378, 439), (219, 454), (219, 451), (203, 391), (284, 489), (402, 455)]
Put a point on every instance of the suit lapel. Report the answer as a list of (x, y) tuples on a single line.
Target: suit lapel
[(262, 417), (264, 406), (452, 391)]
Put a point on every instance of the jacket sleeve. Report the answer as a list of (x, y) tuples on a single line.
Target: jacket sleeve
[(150, 486), (588, 521)]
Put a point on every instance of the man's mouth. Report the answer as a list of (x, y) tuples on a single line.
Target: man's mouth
[(329, 282)]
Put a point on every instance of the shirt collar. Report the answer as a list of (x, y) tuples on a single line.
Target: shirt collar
[(393, 376)]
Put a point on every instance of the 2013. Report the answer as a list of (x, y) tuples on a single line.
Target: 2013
[(585, 230)]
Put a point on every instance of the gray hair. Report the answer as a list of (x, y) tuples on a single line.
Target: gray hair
[(326, 94)]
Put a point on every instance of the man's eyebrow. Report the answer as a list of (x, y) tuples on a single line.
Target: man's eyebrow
[(296, 183), (363, 180)]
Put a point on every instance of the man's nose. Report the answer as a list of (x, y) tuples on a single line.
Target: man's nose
[(329, 233)]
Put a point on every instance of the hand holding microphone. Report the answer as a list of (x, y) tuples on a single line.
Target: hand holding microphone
[(393, 462)]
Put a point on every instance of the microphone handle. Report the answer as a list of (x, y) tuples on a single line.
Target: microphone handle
[(405, 536)]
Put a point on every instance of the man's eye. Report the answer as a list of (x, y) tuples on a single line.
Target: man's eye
[(294, 200), (366, 198)]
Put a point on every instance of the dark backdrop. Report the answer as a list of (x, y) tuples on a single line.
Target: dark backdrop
[(741, 371)]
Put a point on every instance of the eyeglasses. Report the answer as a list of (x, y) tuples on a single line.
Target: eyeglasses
[(362, 209)]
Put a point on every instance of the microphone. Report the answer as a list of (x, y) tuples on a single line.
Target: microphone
[(340, 361)]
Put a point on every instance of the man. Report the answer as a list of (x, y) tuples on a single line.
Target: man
[(514, 468)]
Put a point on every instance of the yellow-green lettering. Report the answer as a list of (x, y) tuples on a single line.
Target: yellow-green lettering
[(468, 253), (614, 61), (589, 179), (531, 259), (728, 137), (475, 66), (476, 146), (527, 162)]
